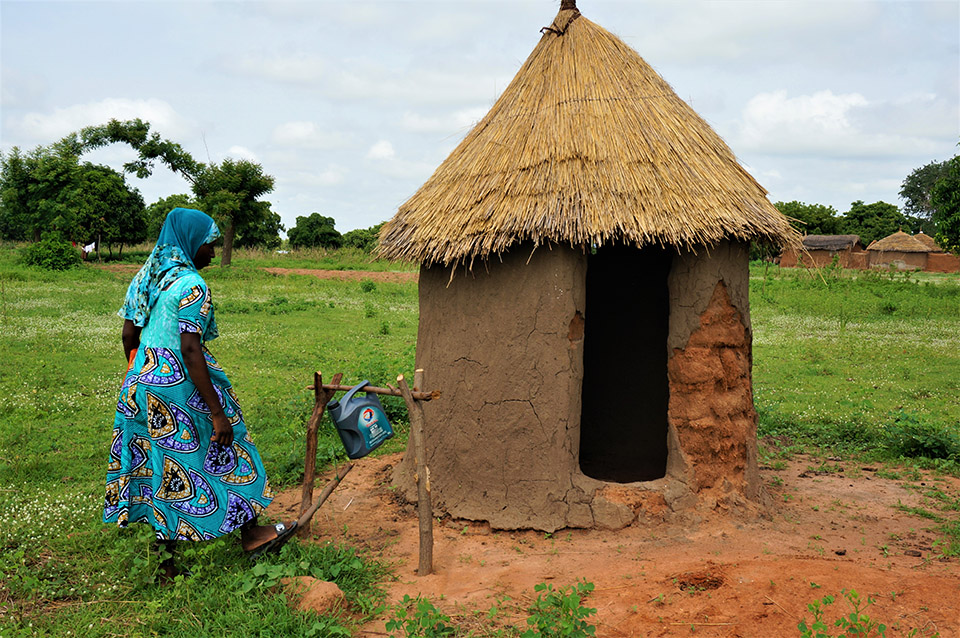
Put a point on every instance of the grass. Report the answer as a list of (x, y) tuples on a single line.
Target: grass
[(844, 363)]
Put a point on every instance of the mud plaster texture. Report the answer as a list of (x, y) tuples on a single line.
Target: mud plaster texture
[(711, 419), (504, 343)]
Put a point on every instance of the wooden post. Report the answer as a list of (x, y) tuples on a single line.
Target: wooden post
[(321, 398), (424, 505)]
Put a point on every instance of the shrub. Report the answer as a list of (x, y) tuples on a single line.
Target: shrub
[(910, 437), (51, 253)]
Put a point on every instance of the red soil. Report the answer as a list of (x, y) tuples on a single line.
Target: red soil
[(713, 575)]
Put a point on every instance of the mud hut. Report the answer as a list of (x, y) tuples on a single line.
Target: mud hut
[(583, 299), (821, 250), (900, 251)]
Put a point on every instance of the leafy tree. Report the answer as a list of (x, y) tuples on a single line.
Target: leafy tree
[(916, 189), (872, 221), (157, 212), (315, 230), (366, 239), (811, 219), (945, 201), (34, 191), (229, 192), (265, 232), (106, 209)]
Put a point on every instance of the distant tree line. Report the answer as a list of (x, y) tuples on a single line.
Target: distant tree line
[(931, 196), (51, 190)]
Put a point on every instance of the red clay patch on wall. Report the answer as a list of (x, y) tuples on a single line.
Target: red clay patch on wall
[(711, 400)]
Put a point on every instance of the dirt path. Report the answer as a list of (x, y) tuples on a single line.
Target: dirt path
[(714, 576)]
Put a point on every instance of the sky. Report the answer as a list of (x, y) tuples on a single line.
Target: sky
[(352, 105)]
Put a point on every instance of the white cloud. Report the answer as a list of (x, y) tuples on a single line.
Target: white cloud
[(833, 125), (382, 150), (242, 152), (62, 121), (332, 175), (458, 121), (308, 135), (291, 69)]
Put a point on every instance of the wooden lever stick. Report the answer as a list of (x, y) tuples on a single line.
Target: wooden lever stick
[(304, 521)]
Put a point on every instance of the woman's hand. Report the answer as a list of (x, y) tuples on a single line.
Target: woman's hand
[(222, 430), (192, 349)]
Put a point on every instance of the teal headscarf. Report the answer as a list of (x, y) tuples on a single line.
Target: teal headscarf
[(184, 231)]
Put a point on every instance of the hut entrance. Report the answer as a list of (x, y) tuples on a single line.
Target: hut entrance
[(623, 421)]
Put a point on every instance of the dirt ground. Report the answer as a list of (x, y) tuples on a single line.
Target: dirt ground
[(712, 575)]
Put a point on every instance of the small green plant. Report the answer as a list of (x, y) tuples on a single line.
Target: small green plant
[(418, 617), (560, 613), (367, 285), (855, 623)]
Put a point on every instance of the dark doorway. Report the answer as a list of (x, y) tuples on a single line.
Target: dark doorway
[(623, 423)]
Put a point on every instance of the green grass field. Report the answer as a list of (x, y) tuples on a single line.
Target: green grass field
[(844, 363)]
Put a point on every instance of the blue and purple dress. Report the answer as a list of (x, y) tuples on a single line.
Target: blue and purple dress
[(164, 469)]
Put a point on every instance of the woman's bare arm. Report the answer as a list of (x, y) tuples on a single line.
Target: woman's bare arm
[(192, 349), (130, 334)]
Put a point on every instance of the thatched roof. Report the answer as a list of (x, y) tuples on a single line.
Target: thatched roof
[(928, 241), (899, 242), (587, 145), (831, 242)]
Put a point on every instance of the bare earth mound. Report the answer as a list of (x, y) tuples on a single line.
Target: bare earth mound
[(715, 575)]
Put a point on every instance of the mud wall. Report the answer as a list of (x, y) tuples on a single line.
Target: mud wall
[(899, 260), (942, 262), (504, 343), (711, 415)]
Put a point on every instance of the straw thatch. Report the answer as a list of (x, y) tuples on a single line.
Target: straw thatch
[(587, 145), (899, 242), (831, 242), (928, 241)]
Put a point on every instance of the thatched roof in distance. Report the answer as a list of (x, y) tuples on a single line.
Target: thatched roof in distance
[(928, 241), (899, 242), (831, 242), (587, 145)]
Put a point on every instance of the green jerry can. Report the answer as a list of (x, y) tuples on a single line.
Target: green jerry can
[(361, 422)]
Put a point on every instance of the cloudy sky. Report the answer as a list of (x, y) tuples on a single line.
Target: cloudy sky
[(351, 105)]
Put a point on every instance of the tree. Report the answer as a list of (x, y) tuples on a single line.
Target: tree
[(264, 233), (872, 221), (34, 189), (945, 201), (229, 192), (811, 219), (105, 208), (315, 230), (157, 212), (916, 189)]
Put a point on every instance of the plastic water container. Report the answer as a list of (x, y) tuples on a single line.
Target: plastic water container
[(361, 421)]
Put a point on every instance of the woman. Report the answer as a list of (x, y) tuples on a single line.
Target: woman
[(188, 469)]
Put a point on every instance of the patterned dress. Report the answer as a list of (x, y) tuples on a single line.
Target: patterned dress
[(164, 470)]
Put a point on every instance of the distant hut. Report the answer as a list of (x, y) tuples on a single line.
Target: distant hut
[(583, 299), (900, 251), (928, 241), (821, 250)]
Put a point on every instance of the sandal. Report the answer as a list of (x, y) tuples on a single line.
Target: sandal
[(284, 533)]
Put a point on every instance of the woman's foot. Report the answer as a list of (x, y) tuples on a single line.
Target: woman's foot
[(262, 538)]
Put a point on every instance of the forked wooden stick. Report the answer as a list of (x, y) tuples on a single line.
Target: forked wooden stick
[(424, 506), (321, 398)]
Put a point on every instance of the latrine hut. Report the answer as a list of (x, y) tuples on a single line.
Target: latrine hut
[(583, 299)]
